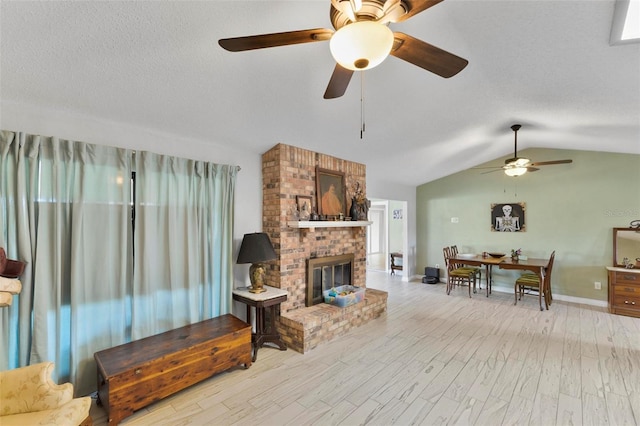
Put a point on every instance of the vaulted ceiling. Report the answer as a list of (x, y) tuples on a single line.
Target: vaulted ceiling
[(547, 65)]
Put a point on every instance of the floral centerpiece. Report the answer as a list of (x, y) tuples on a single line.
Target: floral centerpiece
[(515, 254)]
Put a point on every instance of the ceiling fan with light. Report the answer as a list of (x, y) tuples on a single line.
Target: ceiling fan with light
[(362, 40), (517, 166)]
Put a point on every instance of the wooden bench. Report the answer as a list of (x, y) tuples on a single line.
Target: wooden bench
[(136, 374)]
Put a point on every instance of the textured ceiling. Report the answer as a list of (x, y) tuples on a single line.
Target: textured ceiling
[(545, 64)]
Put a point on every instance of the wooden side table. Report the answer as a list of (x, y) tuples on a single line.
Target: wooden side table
[(265, 331), (395, 267)]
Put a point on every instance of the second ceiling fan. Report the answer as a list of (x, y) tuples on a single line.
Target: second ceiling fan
[(517, 166), (362, 40)]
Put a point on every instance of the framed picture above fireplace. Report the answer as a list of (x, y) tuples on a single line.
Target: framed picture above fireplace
[(304, 206), (330, 192), (303, 202)]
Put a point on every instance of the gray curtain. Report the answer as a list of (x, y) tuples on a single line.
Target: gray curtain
[(70, 203), (183, 242), (92, 281)]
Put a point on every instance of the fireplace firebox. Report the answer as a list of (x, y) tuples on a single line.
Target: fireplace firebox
[(323, 273)]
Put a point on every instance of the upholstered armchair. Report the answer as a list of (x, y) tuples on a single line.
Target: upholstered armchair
[(28, 396)]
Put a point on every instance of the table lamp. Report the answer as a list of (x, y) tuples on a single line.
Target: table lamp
[(256, 249)]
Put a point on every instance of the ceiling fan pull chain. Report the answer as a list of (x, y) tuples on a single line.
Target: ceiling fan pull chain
[(362, 126)]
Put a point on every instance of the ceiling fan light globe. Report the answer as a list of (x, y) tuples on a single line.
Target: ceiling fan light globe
[(517, 162), (361, 45), (515, 171)]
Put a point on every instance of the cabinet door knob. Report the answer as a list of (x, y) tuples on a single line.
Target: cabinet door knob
[(626, 302)]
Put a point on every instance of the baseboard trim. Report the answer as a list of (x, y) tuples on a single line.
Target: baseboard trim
[(562, 297)]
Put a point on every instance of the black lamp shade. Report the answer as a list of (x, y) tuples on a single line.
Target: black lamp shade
[(256, 248)]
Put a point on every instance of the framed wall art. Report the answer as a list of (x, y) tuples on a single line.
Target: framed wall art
[(304, 203), (330, 192), (508, 217)]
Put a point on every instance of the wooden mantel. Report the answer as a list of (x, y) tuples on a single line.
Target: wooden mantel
[(311, 225)]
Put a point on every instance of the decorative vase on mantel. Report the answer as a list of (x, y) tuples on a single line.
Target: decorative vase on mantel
[(359, 204), (353, 211), (359, 209)]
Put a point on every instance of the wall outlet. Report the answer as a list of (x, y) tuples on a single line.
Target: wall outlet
[(437, 265), (597, 285), (454, 220)]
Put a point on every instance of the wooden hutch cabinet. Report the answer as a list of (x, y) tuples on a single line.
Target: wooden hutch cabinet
[(624, 291), (624, 275)]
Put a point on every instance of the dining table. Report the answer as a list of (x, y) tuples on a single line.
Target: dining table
[(536, 266), (479, 260)]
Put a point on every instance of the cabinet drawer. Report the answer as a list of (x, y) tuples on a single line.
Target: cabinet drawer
[(626, 302), (627, 277), (626, 290)]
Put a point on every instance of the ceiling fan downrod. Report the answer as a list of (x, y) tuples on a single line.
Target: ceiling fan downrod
[(515, 129), (362, 126)]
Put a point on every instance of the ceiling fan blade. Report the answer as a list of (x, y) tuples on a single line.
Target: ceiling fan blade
[(491, 171), (549, 163), (339, 82), (417, 6), (427, 56), (240, 44), (532, 169)]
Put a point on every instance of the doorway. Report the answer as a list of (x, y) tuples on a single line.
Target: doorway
[(387, 234), (377, 251)]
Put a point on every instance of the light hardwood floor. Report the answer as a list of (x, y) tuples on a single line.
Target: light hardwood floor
[(433, 359)]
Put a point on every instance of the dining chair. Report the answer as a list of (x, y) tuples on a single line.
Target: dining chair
[(457, 276), (476, 270), (531, 283)]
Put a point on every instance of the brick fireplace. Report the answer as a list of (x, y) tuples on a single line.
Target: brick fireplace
[(289, 171)]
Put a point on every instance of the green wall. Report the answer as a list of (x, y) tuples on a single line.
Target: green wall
[(570, 208)]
